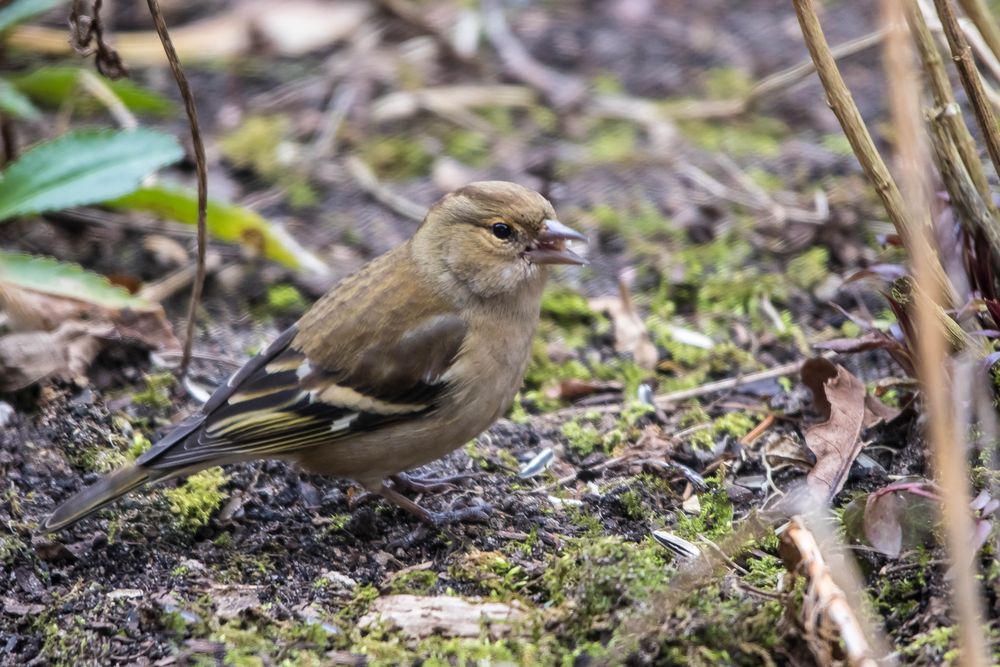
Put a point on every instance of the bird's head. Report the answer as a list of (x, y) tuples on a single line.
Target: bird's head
[(495, 238)]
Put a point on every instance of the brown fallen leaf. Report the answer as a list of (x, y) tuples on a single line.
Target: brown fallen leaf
[(572, 389), (33, 310), (631, 334), (31, 357), (422, 616), (836, 442)]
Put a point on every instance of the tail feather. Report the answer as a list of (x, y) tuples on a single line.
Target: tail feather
[(97, 496)]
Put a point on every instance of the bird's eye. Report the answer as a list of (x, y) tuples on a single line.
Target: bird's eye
[(502, 230)]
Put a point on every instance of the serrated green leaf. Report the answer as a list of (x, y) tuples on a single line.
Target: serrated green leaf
[(227, 222), (63, 279), (20, 11), (14, 103), (52, 86), (83, 167)]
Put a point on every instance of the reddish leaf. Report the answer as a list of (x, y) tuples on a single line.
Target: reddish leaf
[(836, 442)]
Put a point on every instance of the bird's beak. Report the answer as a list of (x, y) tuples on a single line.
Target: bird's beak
[(550, 246)]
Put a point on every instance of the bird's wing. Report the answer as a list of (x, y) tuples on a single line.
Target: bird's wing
[(283, 400)]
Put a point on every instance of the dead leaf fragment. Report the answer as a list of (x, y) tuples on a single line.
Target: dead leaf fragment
[(631, 334), (31, 357), (421, 616), (837, 441), (231, 601)]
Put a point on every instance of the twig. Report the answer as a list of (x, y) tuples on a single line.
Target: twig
[(944, 427), (562, 90), (366, 179), (947, 112), (770, 85), (824, 603), (405, 103), (758, 430), (174, 282), (843, 106), (983, 19), (87, 30), (102, 93), (202, 171), (971, 80), (666, 400)]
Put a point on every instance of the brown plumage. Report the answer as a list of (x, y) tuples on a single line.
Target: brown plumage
[(399, 364)]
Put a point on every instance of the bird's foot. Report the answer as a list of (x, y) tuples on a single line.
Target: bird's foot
[(478, 513), (405, 483)]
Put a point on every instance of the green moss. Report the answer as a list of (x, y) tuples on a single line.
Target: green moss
[(11, 548), (596, 580), (254, 144), (716, 517), (140, 445), (285, 299), (723, 83), (632, 505), (612, 141), (583, 437), (707, 431), (468, 146), (417, 582), (756, 136), (194, 501), (491, 572), (765, 572), (397, 157), (565, 306), (158, 391), (810, 268), (263, 145), (935, 643), (717, 626)]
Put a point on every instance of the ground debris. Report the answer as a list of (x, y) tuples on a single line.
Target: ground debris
[(421, 616)]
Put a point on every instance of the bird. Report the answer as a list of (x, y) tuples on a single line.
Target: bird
[(400, 363)]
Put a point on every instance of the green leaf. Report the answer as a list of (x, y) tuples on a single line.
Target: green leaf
[(52, 86), (62, 279), (83, 167), (227, 222), (20, 11), (14, 103)]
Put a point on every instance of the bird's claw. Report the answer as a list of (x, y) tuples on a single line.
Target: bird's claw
[(409, 484), (478, 513)]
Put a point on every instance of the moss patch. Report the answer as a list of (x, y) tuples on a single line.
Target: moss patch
[(194, 501)]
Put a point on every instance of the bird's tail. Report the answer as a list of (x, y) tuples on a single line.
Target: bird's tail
[(97, 496)]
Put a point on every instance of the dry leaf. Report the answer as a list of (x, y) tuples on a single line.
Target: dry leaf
[(572, 389), (631, 335), (837, 441), (28, 358), (421, 616)]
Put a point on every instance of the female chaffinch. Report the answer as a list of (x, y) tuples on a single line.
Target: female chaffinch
[(397, 365)]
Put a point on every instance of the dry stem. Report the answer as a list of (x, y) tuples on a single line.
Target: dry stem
[(825, 603), (947, 111), (842, 103), (984, 22), (949, 452), (961, 52), (202, 170)]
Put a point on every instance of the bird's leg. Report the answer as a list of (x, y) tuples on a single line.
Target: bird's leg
[(473, 514), (411, 484)]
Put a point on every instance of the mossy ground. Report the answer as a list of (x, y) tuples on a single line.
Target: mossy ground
[(259, 564)]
